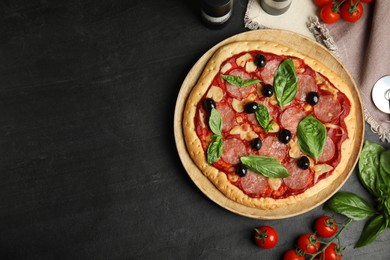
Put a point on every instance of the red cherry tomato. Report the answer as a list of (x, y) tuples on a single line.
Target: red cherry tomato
[(351, 11), (326, 226), (266, 237), (332, 252), (292, 254), (308, 243), (322, 2), (330, 13)]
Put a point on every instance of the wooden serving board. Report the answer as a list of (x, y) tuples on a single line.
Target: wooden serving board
[(311, 49)]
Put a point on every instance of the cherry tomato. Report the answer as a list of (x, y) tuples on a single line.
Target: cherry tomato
[(266, 237), (322, 2), (308, 243), (351, 11), (330, 13), (292, 254), (332, 252), (325, 226)]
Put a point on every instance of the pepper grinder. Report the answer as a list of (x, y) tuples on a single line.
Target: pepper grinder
[(216, 13), (275, 7)]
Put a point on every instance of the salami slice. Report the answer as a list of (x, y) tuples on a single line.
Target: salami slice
[(329, 150), (267, 74), (299, 179), (228, 116), (236, 91), (306, 84), (272, 147), (291, 117), (254, 183), (327, 108), (233, 149)]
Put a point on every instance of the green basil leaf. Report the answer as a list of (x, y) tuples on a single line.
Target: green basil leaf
[(372, 230), (214, 151), (311, 136), (250, 82), (263, 118), (267, 166), (383, 183), (215, 122), (369, 167), (285, 82), (238, 81), (350, 205), (385, 161)]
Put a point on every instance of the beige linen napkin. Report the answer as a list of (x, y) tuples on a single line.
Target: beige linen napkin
[(363, 47), (293, 20)]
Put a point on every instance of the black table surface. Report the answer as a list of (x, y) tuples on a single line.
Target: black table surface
[(88, 163)]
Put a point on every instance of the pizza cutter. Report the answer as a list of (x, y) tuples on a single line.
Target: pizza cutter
[(381, 94)]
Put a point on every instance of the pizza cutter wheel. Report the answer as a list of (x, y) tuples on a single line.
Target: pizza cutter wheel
[(381, 94)]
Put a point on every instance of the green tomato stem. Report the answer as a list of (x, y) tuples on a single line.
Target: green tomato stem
[(331, 240)]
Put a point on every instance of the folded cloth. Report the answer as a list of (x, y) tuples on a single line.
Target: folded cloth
[(363, 46), (294, 19)]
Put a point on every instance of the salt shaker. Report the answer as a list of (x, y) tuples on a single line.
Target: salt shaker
[(275, 7), (216, 13)]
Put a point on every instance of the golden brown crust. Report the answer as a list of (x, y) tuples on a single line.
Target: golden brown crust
[(220, 179)]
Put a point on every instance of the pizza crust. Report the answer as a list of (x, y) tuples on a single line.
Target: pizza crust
[(220, 179)]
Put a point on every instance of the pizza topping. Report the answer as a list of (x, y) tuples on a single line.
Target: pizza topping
[(263, 118), (285, 82), (209, 104), (239, 105), (294, 151), (299, 178), (291, 117), (228, 116), (215, 93), (250, 66), (272, 147), (303, 162), (284, 136), (215, 148), (312, 98), (329, 150), (267, 74), (215, 122), (260, 61), (226, 67), (320, 169), (311, 136), (245, 132), (237, 83), (256, 144), (242, 60), (267, 166), (267, 90), (241, 170), (274, 183), (251, 107), (306, 84), (233, 150), (327, 109), (254, 183)]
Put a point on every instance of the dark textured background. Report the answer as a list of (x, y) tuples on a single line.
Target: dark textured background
[(88, 163)]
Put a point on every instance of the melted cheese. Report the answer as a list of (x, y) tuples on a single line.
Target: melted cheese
[(238, 105), (241, 61), (226, 67), (320, 169), (245, 132), (216, 93), (274, 183)]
